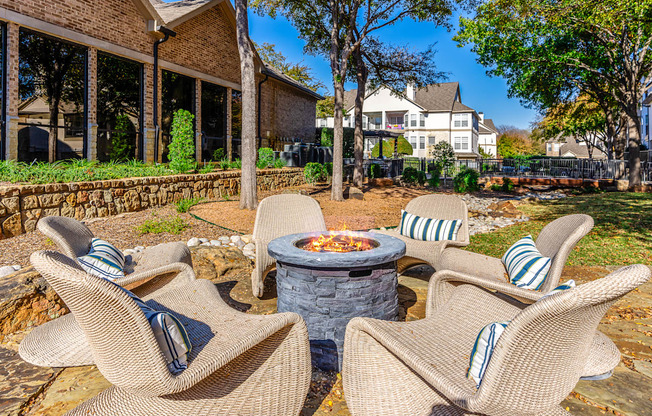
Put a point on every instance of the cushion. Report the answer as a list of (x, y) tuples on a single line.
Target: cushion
[(483, 349), (525, 265), (428, 229), (568, 285), (170, 334), (103, 260)]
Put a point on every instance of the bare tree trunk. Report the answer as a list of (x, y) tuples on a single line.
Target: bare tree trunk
[(338, 143), (54, 131), (634, 149), (248, 195), (358, 146)]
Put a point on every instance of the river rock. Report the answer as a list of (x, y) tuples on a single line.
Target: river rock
[(193, 242)]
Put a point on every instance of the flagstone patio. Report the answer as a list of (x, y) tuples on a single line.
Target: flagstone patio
[(29, 390)]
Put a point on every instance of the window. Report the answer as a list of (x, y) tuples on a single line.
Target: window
[(3, 87), (213, 120), (178, 92), (550, 147), (413, 120), (460, 120), (422, 142), (422, 120), (119, 108), (461, 143), (378, 122), (413, 142), (432, 140), (51, 127), (405, 120), (236, 123)]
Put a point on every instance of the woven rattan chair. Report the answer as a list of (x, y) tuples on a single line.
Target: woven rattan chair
[(61, 342), (438, 206), (277, 216), (556, 240), (419, 368), (240, 364)]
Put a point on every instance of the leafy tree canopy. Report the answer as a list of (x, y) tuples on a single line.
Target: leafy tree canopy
[(404, 147), (298, 71)]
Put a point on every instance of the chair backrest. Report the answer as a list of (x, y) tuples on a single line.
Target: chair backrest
[(72, 237), (557, 239), (442, 207), (120, 337), (285, 214), (541, 355)]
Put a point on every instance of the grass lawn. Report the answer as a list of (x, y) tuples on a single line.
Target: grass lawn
[(622, 234)]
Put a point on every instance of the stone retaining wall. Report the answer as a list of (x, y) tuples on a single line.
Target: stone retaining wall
[(21, 206)]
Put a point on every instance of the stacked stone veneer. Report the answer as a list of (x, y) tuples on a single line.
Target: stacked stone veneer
[(21, 206), (328, 299)]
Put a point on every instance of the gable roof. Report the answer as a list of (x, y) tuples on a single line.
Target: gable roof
[(489, 123), (440, 97), (487, 127), (176, 12)]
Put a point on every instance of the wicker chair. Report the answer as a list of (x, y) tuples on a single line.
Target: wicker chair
[(277, 216), (441, 207), (419, 368), (556, 240), (61, 342), (239, 364)]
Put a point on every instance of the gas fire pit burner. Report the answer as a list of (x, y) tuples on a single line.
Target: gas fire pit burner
[(331, 277)]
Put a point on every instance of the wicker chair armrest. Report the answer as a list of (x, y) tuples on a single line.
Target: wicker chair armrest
[(184, 272), (442, 283)]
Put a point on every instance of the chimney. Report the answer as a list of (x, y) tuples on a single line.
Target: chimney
[(481, 115), (410, 92)]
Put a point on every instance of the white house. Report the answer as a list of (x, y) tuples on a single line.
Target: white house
[(424, 116), (646, 129), (488, 135)]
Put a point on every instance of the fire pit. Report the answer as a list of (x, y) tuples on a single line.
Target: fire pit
[(329, 278)]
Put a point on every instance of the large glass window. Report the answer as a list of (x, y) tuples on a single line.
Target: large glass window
[(236, 122), (178, 92), (119, 108), (213, 119), (461, 120), (3, 87), (461, 143), (52, 90)]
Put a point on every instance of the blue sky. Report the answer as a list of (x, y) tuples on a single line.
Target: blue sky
[(479, 91)]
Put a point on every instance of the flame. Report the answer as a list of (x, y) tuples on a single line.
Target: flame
[(342, 242)]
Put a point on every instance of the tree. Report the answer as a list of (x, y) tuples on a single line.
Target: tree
[(444, 156), (325, 107), (248, 194), (399, 146), (301, 73), (182, 147), (346, 24), (54, 70), (552, 51), (121, 146)]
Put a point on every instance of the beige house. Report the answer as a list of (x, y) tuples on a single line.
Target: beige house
[(197, 68), (563, 146)]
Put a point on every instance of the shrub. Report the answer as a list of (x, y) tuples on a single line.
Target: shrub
[(444, 156), (265, 157), (207, 168), (404, 147), (466, 180), (121, 147), (185, 204), (329, 168), (218, 154), (326, 136), (314, 172), (374, 171), (174, 225), (225, 164), (507, 186), (410, 175), (182, 147), (279, 163), (236, 164)]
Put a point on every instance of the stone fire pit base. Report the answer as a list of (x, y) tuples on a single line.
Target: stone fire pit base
[(328, 299)]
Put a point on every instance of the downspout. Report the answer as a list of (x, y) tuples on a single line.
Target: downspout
[(167, 33), (260, 87)]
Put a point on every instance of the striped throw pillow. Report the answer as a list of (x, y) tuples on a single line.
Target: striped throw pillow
[(568, 285), (104, 260), (428, 229), (525, 265), (483, 349), (170, 334)]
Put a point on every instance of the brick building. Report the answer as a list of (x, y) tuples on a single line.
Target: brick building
[(108, 95)]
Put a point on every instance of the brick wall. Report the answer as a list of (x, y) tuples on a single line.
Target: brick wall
[(286, 112)]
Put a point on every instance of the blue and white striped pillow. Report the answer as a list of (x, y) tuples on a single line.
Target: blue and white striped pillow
[(170, 334), (428, 229), (568, 285), (525, 265), (104, 260), (483, 349)]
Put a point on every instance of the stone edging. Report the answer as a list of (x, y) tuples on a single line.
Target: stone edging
[(21, 206)]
